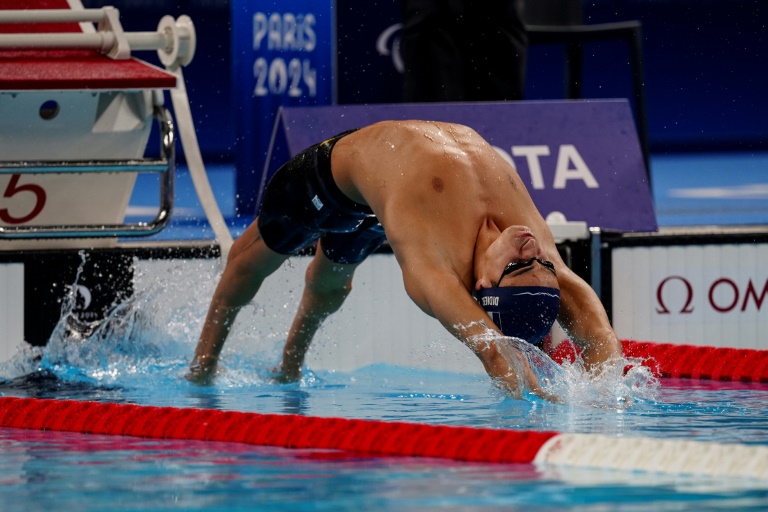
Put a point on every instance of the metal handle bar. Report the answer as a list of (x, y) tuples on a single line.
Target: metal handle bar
[(165, 165), (53, 15), (174, 40)]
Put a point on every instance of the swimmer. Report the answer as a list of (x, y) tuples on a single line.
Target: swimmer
[(474, 251)]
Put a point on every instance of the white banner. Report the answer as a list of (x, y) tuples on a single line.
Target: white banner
[(714, 295)]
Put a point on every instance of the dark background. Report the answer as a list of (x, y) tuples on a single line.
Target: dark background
[(705, 64)]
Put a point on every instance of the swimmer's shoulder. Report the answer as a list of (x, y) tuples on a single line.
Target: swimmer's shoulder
[(384, 139), (408, 127)]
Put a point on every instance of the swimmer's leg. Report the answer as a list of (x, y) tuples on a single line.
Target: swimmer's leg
[(250, 261), (327, 286)]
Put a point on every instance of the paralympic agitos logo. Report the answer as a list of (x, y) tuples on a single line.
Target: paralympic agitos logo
[(677, 295), (388, 44)]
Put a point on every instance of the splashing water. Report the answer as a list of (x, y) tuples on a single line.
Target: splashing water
[(147, 340), (119, 345), (614, 385), (135, 340)]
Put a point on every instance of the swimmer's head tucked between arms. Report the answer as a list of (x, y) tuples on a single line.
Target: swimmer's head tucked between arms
[(525, 312), (525, 300)]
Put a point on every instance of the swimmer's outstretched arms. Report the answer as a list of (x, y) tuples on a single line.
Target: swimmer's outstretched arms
[(474, 251)]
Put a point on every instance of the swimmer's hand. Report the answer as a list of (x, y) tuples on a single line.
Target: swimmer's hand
[(510, 385), (280, 376), (202, 370), (546, 395)]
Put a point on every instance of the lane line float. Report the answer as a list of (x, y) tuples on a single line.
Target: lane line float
[(380, 438), (672, 360)]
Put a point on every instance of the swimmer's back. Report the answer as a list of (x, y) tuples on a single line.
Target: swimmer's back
[(444, 167)]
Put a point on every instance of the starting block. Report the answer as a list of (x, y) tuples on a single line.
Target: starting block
[(76, 113), (74, 125)]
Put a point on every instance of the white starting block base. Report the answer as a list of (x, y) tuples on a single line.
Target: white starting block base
[(86, 125)]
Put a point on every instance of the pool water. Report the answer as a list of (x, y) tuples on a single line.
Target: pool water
[(66, 471), (141, 354), (725, 412), (74, 472), (42, 470)]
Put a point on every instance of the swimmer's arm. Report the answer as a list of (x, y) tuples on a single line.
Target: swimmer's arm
[(584, 319), (232, 293), (442, 295)]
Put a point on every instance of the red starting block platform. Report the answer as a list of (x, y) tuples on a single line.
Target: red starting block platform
[(69, 69), (77, 70)]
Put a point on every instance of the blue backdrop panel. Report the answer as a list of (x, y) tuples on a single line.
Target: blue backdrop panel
[(282, 54), (704, 62)]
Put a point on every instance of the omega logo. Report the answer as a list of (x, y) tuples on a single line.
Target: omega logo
[(723, 295)]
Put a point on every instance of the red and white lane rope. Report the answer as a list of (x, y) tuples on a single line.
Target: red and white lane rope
[(290, 431), (388, 438), (689, 361), (419, 440), (656, 455), (701, 362)]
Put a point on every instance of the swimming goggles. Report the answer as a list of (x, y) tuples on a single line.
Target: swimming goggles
[(513, 266)]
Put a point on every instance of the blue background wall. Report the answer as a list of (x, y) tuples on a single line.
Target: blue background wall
[(706, 67), (705, 64)]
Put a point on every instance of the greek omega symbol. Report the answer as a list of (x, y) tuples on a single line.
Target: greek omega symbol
[(724, 296), (686, 309)]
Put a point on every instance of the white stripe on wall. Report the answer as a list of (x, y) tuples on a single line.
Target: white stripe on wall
[(378, 323)]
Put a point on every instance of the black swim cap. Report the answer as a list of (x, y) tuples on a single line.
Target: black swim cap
[(525, 312)]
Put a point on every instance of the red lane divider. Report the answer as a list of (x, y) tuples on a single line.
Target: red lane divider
[(688, 361), (362, 436), (290, 431), (694, 362)]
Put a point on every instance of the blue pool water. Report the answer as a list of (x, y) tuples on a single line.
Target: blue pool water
[(64, 471), (69, 472), (140, 356)]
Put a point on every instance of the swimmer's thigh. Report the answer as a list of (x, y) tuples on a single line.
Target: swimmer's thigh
[(325, 276), (250, 259)]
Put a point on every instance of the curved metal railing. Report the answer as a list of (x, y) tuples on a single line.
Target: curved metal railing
[(164, 165)]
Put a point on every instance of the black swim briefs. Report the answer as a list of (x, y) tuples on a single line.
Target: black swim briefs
[(302, 203)]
